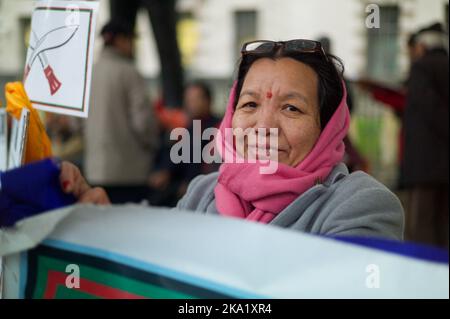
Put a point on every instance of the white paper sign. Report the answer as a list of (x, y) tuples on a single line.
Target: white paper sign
[(18, 139), (58, 67), (3, 140)]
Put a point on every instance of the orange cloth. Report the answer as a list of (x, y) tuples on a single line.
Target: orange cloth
[(170, 118), (38, 145)]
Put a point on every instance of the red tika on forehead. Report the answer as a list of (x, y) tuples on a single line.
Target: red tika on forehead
[(269, 95)]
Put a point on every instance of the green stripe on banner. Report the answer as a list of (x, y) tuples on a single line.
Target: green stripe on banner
[(67, 293), (47, 264)]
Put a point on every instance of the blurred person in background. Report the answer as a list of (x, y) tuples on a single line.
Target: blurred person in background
[(163, 18), (395, 97), (425, 163), (169, 181), (121, 131)]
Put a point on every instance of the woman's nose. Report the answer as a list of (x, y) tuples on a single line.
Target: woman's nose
[(267, 118)]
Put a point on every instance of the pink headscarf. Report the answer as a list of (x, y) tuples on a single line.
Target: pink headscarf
[(243, 192)]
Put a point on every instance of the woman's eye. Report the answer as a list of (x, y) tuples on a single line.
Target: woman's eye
[(292, 108), (249, 105)]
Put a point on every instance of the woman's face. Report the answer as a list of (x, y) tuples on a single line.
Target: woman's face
[(280, 94)]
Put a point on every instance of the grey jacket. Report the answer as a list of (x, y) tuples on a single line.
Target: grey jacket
[(121, 130), (344, 205)]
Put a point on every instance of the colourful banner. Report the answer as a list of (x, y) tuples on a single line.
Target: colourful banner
[(139, 252)]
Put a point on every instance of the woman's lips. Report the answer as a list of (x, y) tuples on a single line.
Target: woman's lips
[(262, 152), (265, 149)]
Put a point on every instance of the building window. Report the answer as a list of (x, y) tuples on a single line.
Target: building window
[(383, 46), (245, 26)]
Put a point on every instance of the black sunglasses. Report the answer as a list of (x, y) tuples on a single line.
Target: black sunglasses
[(262, 47)]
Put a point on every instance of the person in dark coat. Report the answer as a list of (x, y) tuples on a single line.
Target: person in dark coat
[(425, 165)]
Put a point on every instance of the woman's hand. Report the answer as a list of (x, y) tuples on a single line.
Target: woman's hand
[(72, 182)]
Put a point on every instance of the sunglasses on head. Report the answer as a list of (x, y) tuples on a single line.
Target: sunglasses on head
[(262, 47)]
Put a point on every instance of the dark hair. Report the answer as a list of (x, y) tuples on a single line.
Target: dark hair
[(412, 40), (330, 74), (202, 86), (114, 28), (435, 27)]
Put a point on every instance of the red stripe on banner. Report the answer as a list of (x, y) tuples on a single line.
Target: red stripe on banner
[(57, 278)]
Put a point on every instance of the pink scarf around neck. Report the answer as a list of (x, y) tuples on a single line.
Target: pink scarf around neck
[(243, 192)]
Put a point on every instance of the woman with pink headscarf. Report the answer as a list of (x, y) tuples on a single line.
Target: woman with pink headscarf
[(291, 97)]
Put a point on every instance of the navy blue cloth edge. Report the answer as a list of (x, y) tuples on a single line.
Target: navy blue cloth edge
[(408, 249)]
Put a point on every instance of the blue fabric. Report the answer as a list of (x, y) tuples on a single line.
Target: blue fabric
[(408, 249), (30, 190)]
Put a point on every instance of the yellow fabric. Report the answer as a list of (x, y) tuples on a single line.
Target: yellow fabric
[(38, 143)]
